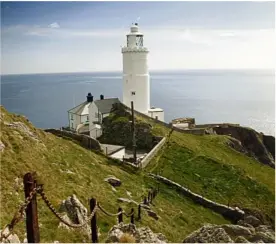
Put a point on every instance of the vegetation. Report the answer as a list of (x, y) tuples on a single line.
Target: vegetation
[(51, 156), (208, 166)]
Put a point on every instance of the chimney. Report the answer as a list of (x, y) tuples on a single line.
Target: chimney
[(102, 97), (89, 97)]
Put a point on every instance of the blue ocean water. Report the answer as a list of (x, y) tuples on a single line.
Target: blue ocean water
[(244, 97)]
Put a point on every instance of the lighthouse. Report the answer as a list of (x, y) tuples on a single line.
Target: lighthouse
[(136, 78)]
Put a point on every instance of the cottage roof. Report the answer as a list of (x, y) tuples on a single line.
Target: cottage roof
[(105, 105), (81, 109)]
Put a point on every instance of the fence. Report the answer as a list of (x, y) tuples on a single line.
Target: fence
[(32, 189)]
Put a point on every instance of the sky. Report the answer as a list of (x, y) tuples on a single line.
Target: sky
[(53, 37)]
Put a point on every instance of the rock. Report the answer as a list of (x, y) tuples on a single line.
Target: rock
[(23, 128), (128, 193), (112, 180), (241, 239), (237, 230), (13, 238), (252, 220), (227, 233), (124, 200), (208, 234), (265, 237), (153, 214), (141, 235), (2, 146), (75, 212)]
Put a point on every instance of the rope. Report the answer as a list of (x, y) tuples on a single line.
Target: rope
[(109, 214), (18, 216), (58, 215)]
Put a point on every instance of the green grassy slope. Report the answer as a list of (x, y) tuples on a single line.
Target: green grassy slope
[(50, 156), (207, 166)]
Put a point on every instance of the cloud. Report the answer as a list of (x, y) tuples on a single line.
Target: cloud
[(54, 25)]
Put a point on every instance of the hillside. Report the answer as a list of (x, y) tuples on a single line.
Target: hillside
[(31, 149), (205, 164)]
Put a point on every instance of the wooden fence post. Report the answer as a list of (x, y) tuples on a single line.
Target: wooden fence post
[(149, 197), (120, 216), (139, 212), (132, 216), (145, 200), (31, 210), (94, 231)]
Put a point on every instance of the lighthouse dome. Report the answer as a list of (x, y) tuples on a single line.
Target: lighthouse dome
[(134, 28)]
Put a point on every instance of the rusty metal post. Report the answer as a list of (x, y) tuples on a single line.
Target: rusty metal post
[(139, 212), (132, 216), (120, 216), (94, 231), (31, 210)]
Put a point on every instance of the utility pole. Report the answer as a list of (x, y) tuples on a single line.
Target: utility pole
[(133, 133)]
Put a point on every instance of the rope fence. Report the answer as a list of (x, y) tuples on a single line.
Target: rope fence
[(29, 209)]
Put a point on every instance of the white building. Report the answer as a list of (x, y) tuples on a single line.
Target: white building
[(80, 114), (88, 116), (136, 79)]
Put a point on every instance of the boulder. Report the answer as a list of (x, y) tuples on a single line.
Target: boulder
[(13, 238), (75, 212), (252, 221), (153, 214), (232, 233), (141, 235), (112, 180)]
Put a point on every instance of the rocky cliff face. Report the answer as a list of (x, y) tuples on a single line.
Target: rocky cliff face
[(248, 230), (251, 141)]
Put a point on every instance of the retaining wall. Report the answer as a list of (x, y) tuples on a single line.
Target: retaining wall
[(152, 153), (228, 212), (85, 141)]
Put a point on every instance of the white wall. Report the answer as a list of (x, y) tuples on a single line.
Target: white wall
[(93, 109), (75, 121), (84, 118), (136, 79), (119, 155), (96, 132), (159, 114)]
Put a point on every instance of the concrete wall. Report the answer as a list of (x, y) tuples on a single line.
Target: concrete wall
[(84, 140), (159, 114), (119, 154), (228, 212), (93, 109), (95, 132), (152, 153)]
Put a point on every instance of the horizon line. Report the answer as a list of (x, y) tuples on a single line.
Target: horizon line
[(153, 70)]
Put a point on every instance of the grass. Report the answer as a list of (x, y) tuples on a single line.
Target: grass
[(207, 166), (50, 156)]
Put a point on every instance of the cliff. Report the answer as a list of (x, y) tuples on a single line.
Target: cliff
[(254, 144)]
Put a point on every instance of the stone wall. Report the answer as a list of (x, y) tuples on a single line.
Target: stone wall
[(152, 153), (85, 141), (227, 212)]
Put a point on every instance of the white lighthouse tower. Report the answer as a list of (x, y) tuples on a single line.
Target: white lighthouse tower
[(136, 79)]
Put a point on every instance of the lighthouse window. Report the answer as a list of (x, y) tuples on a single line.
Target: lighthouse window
[(139, 41), (133, 93)]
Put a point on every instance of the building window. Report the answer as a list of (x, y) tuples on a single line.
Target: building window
[(72, 126), (156, 117), (133, 93), (72, 117), (87, 118), (96, 115)]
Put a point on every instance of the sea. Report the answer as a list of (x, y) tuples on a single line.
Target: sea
[(246, 97)]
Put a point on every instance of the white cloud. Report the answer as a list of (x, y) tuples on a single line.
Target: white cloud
[(170, 48), (54, 25)]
